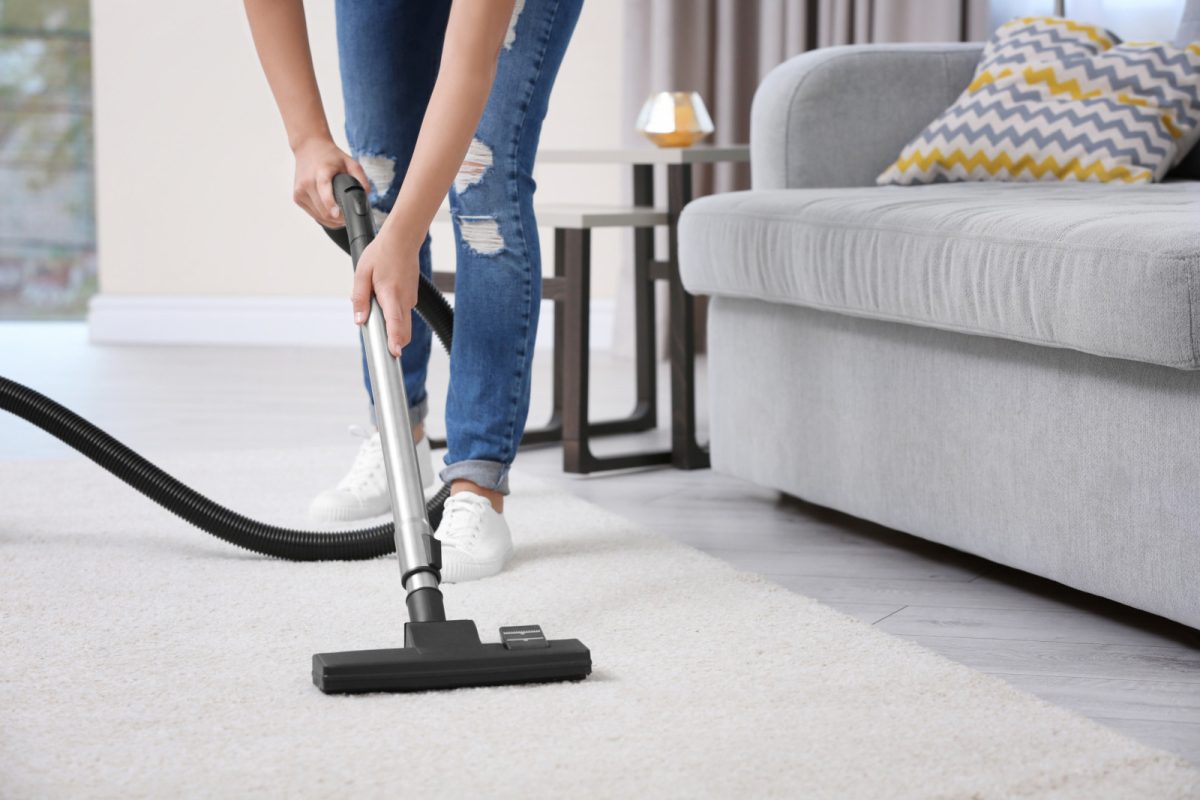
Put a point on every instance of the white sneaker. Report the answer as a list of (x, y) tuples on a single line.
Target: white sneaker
[(363, 493), (475, 539)]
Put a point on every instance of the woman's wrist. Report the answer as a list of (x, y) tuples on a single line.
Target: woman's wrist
[(308, 138), (400, 231)]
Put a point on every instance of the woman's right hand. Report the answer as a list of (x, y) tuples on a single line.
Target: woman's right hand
[(317, 161)]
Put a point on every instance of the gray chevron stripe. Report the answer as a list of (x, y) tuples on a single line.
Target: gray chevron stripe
[(1022, 54), (1181, 60), (1037, 95), (1029, 106), (1044, 29), (1019, 43), (1187, 110), (1041, 114), (1119, 80), (1056, 33), (990, 135), (1143, 68)]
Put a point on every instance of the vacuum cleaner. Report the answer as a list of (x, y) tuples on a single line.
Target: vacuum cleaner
[(438, 653)]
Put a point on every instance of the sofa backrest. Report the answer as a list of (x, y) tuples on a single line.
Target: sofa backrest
[(1189, 26), (1189, 31)]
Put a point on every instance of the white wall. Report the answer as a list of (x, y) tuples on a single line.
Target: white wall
[(194, 176)]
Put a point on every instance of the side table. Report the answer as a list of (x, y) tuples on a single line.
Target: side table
[(686, 451)]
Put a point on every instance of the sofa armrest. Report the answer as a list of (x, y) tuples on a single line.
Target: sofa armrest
[(839, 116)]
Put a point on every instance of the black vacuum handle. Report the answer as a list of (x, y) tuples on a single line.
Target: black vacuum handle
[(351, 198)]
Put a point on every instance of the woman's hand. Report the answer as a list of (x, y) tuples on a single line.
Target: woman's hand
[(317, 161), (390, 269)]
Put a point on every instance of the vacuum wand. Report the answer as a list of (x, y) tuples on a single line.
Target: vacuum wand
[(437, 653), (418, 551)]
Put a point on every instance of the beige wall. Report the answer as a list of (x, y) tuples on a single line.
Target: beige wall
[(193, 173)]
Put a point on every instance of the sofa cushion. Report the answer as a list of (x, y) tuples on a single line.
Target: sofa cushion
[(1054, 99), (1106, 269)]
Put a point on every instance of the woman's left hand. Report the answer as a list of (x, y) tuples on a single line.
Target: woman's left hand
[(390, 269)]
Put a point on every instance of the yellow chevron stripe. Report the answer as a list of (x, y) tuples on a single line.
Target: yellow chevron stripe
[(1167, 119), (1093, 32), (993, 165), (1050, 78), (1172, 128), (1194, 48), (987, 77)]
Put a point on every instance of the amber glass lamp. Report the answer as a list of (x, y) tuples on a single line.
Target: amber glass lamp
[(674, 119)]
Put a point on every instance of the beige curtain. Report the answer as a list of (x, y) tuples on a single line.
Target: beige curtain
[(723, 48)]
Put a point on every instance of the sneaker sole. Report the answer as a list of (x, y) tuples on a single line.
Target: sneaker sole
[(340, 517), (464, 573)]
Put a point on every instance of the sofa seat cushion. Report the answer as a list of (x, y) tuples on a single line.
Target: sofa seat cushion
[(1106, 269)]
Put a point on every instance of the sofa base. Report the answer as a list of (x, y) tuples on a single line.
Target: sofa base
[(1079, 468)]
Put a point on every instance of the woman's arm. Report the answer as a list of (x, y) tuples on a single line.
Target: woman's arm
[(281, 39), (388, 267)]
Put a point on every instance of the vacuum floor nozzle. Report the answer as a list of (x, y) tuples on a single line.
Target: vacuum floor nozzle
[(448, 655)]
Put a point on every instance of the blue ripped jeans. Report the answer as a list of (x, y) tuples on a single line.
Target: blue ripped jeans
[(389, 52)]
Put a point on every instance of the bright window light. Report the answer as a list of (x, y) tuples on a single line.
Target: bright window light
[(1132, 20)]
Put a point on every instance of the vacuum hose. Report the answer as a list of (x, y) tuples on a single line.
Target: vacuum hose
[(210, 516)]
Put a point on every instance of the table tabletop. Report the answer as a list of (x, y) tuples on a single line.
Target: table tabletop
[(644, 154), (587, 215)]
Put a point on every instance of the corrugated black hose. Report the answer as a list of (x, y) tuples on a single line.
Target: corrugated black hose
[(180, 499)]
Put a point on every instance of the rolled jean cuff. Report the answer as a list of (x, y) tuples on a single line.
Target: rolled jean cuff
[(488, 474), (416, 414)]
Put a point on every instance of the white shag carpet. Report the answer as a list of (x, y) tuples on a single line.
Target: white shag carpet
[(142, 658)]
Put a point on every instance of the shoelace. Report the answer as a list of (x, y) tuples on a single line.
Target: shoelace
[(368, 464), (463, 519)]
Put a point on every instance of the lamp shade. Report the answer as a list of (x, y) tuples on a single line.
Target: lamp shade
[(674, 119)]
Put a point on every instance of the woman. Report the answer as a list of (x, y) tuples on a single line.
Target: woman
[(439, 97)]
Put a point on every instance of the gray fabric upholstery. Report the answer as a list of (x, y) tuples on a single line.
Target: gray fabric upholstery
[(1079, 468), (1189, 31), (1071, 465), (1110, 270), (1189, 25), (839, 115)]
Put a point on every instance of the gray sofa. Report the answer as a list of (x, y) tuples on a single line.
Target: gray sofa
[(1009, 369)]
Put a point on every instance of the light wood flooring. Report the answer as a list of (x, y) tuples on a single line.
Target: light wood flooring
[(1132, 671)]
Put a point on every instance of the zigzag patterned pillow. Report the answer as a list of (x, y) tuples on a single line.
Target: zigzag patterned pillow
[(1054, 99)]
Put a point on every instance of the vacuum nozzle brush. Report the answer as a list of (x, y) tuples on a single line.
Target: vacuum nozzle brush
[(448, 655)]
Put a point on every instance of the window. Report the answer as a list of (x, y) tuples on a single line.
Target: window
[(1132, 20), (47, 219)]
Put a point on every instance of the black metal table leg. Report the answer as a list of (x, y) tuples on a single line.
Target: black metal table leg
[(645, 335), (687, 453), (644, 416), (575, 247)]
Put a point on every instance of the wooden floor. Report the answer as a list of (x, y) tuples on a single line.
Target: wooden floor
[(1132, 671)]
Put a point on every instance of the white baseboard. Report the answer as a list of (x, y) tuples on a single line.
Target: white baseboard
[(176, 319), (264, 321)]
